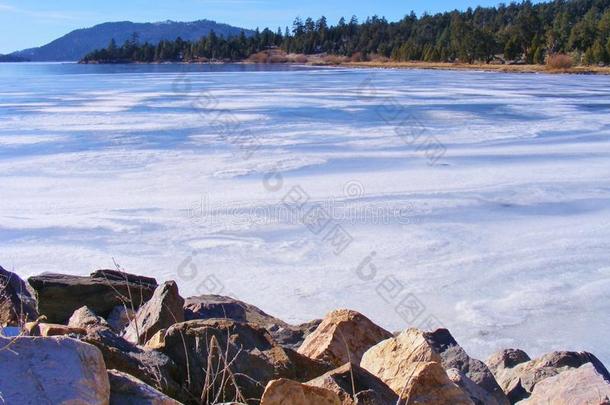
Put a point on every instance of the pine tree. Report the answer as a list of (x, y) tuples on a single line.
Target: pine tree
[(589, 58), (539, 56), (579, 27)]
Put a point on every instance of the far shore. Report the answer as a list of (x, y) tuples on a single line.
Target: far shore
[(597, 70), (499, 68)]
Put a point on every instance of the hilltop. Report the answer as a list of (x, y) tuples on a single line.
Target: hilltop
[(76, 44)]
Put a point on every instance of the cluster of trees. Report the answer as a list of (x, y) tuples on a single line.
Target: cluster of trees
[(518, 31)]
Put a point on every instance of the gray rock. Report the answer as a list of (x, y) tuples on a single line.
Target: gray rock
[(253, 358), (60, 370), (583, 385), (221, 307), (120, 317), (453, 356), (17, 305), (368, 397), (125, 389), (121, 276), (519, 381), (60, 295), (477, 394), (164, 309), (152, 367), (293, 336), (85, 318)]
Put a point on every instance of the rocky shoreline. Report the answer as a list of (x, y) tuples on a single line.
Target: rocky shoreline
[(119, 338)]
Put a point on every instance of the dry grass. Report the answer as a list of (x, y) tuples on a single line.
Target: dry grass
[(129, 300), (269, 56), (298, 58), (559, 61), (479, 67), (555, 64)]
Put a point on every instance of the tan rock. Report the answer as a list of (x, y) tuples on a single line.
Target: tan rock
[(57, 370), (350, 380), (288, 392), (583, 385), (343, 337), (157, 342), (387, 359), (31, 328), (51, 329), (125, 389), (427, 383), (412, 369)]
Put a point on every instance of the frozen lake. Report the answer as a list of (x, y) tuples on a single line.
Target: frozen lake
[(479, 201)]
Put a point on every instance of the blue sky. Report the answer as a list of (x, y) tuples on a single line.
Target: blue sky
[(28, 23)]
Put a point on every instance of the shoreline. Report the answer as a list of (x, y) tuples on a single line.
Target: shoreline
[(588, 70), (477, 67), (124, 348)]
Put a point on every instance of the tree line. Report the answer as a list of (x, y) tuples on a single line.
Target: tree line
[(517, 32)]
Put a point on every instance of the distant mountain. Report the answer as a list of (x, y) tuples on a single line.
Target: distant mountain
[(78, 43), (12, 58)]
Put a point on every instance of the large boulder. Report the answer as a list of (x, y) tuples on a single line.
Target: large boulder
[(246, 352), (518, 378), (439, 346), (59, 371), (343, 337), (164, 309), (17, 305), (411, 367), (200, 348), (453, 356), (222, 307), (125, 389), (350, 380), (427, 383), (59, 295), (287, 392), (583, 385)]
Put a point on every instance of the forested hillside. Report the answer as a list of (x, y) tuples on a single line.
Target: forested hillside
[(519, 31), (78, 43)]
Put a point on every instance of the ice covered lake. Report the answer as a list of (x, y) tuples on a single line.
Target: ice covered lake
[(477, 201)]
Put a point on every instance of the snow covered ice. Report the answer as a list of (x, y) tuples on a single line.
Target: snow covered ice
[(499, 231)]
